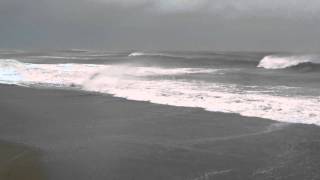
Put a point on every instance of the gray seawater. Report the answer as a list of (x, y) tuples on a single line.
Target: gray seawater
[(279, 86)]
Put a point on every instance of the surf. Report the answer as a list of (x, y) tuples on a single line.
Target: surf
[(134, 83), (285, 62)]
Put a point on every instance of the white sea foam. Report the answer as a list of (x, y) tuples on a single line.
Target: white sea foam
[(145, 54), (130, 82), (282, 62), (136, 54), (9, 71), (212, 97)]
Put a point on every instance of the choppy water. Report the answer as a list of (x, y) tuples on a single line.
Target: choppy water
[(278, 86)]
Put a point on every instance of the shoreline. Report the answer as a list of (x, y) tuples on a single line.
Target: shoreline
[(88, 135), (78, 90)]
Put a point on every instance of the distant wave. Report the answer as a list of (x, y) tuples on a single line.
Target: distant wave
[(147, 54), (133, 83), (213, 59), (283, 62), (137, 54)]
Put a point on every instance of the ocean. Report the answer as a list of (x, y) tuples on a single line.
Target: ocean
[(278, 86)]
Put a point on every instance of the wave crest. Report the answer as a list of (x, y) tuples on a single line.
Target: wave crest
[(136, 54), (164, 55), (283, 62)]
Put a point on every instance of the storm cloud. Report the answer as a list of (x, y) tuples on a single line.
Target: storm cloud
[(284, 8), (266, 25)]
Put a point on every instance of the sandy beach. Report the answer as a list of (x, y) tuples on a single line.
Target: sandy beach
[(19, 162), (83, 135)]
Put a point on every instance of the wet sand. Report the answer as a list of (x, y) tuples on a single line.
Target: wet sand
[(19, 162), (82, 135)]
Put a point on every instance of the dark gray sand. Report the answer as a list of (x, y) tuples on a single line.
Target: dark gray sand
[(85, 136), (19, 162)]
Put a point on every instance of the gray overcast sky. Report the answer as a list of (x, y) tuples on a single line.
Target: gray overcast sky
[(265, 25)]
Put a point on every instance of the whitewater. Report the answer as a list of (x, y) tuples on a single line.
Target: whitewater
[(282, 62), (207, 87)]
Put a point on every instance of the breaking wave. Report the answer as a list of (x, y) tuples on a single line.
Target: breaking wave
[(283, 62), (132, 82), (144, 54), (136, 54)]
